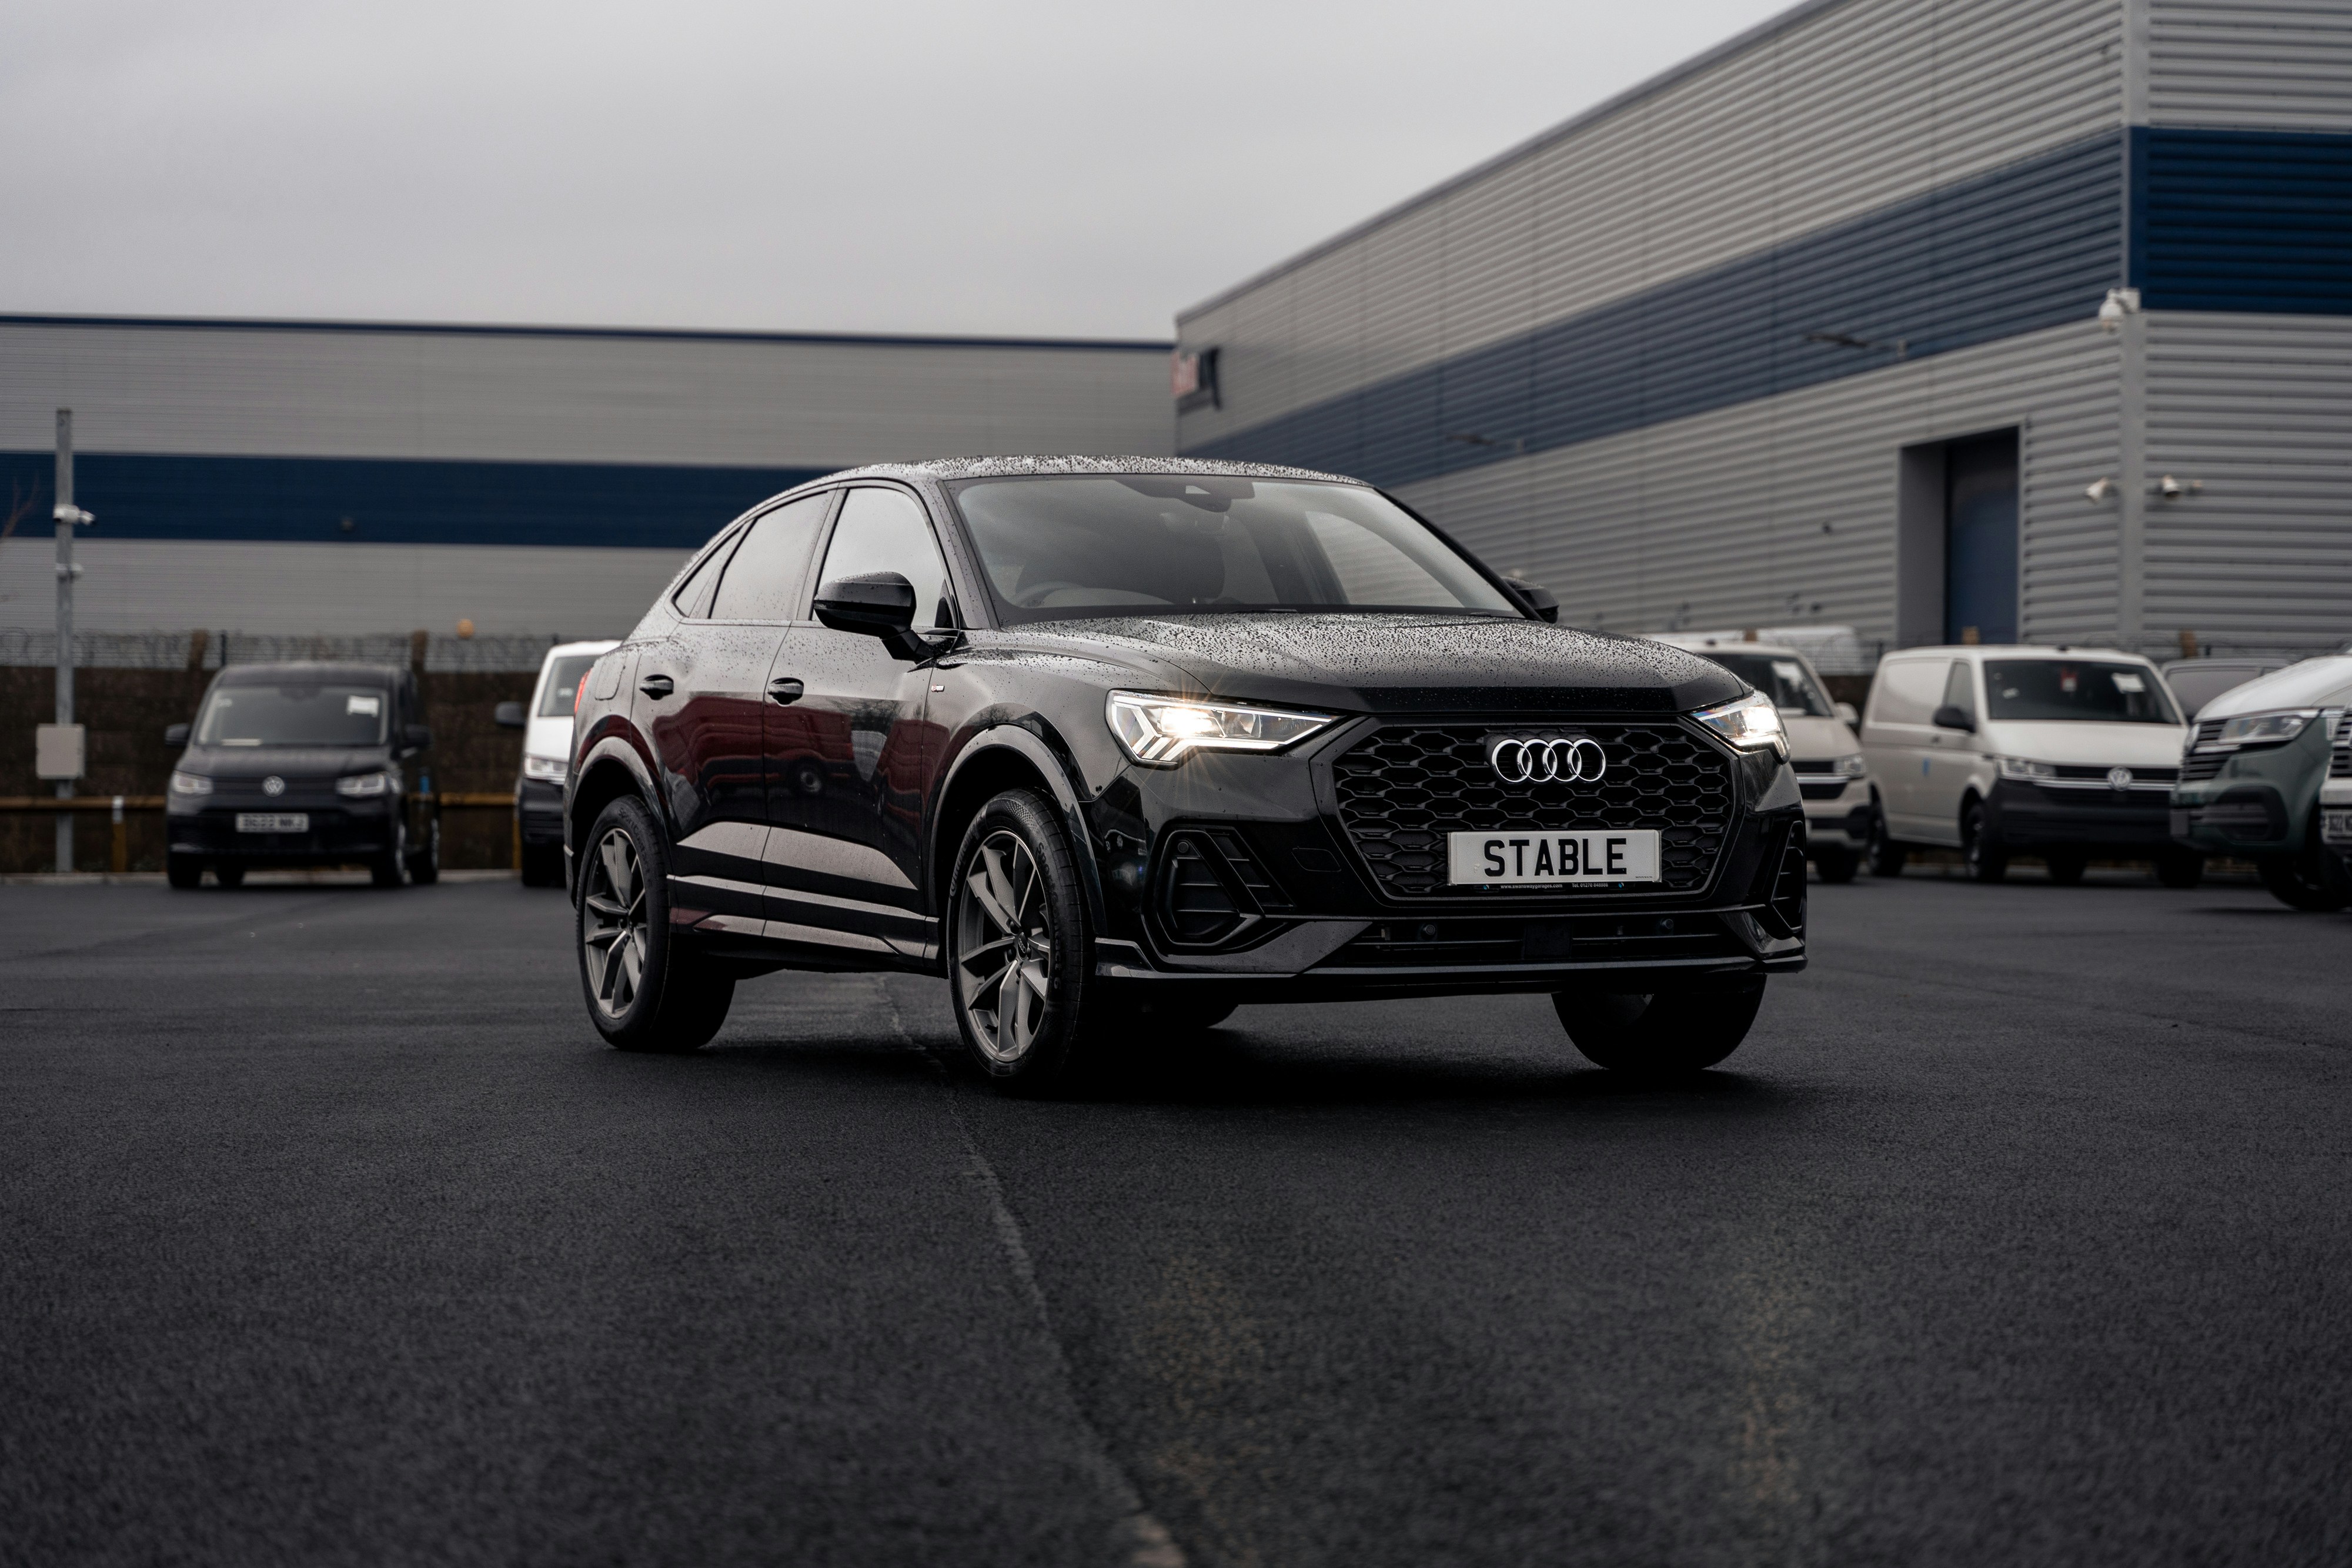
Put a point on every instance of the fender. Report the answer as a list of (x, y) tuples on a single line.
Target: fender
[(619, 745), (1050, 760)]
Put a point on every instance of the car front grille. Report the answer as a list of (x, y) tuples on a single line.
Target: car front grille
[(2339, 759), (1406, 786), (2196, 765)]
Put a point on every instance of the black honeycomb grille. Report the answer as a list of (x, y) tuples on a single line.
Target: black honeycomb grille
[(1402, 788)]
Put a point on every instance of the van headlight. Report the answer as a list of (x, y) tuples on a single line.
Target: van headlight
[(2266, 728), (1751, 723), (2025, 767), (190, 783), (549, 769), (1162, 731), (376, 783), (1852, 766)]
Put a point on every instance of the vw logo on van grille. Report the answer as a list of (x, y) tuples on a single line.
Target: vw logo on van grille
[(273, 785), (1546, 759)]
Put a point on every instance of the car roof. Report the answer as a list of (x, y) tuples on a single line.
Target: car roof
[(942, 469), (315, 670), (2314, 682), (2037, 650), (594, 646)]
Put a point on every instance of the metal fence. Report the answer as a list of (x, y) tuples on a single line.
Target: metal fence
[(209, 650)]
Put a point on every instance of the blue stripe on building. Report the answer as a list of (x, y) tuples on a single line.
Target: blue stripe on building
[(2257, 221), (2221, 220), (393, 500), (2028, 246)]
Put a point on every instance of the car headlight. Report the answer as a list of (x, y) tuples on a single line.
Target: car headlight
[(1162, 731), (1751, 723), (190, 783), (2025, 767), (2265, 729), (1852, 766), (551, 768), (364, 784)]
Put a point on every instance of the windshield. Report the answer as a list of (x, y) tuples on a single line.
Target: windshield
[(562, 689), (1150, 543), (331, 714), (1790, 686), (2078, 690)]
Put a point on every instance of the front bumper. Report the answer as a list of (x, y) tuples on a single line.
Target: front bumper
[(1840, 818), (1295, 911), (539, 811), (2029, 817), (339, 833)]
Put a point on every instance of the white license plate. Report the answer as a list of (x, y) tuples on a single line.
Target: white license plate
[(2336, 826), (1517, 855), (273, 822)]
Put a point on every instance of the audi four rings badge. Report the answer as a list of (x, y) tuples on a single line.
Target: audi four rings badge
[(1517, 760)]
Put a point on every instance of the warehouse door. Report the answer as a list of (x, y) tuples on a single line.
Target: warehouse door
[(1980, 539)]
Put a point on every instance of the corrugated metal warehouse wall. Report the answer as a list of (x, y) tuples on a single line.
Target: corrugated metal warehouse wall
[(1600, 357), (324, 477)]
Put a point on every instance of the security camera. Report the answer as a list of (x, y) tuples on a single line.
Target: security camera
[(2170, 488), (2100, 488), (2118, 304)]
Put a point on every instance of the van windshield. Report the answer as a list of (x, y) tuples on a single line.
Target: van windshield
[(1057, 547), (329, 714), (2079, 691), (1792, 689)]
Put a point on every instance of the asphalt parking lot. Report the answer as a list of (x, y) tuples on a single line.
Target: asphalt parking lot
[(2017, 1232)]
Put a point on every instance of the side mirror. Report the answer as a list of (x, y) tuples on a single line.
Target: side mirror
[(175, 736), (416, 737), (879, 604), (511, 716), (1951, 715), (1848, 717), (1542, 600)]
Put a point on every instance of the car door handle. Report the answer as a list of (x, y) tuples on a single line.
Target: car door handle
[(784, 689), (657, 687)]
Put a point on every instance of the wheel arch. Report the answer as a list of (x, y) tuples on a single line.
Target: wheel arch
[(1006, 756), (607, 779)]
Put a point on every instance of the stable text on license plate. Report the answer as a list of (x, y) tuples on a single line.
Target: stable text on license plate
[(2335, 825), (1517, 855), (273, 822)]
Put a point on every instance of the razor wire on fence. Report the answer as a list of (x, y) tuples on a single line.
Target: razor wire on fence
[(209, 650)]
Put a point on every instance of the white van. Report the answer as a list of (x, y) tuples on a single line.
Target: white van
[(1840, 802), (2056, 752), (546, 725)]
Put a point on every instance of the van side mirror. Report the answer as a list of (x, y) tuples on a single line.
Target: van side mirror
[(1848, 717), (175, 736), (509, 716), (1951, 715), (879, 604), (1541, 599), (416, 737)]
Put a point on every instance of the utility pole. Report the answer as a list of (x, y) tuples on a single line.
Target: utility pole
[(68, 515)]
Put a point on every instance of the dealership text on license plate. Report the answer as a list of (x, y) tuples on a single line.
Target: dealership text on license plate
[(1521, 855), (273, 822)]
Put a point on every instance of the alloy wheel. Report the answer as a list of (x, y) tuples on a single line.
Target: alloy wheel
[(615, 934), (1005, 947)]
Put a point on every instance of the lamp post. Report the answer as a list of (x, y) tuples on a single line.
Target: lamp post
[(68, 515)]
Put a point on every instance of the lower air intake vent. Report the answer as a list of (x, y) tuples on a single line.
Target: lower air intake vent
[(1784, 915), (1212, 888)]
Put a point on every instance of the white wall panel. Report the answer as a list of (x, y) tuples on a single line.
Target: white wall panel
[(1838, 112), (589, 398), (2276, 64)]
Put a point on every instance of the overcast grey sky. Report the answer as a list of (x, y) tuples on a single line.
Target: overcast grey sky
[(1043, 167)]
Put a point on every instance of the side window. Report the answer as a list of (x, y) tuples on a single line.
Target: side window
[(763, 578), (692, 599), (1906, 691), (1960, 687), (884, 530)]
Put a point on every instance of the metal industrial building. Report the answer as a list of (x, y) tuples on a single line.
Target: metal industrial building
[(350, 478), (1809, 331)]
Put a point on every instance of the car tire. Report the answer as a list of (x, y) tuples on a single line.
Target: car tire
[(646, 991), (542, 865), (1836, 864), (1982, 853), (424, 866), (228, 873), (390, 869), (2313, 880), (1886, 856), (2067, 866), (184, 870), (1669, 1034), (2179, 868), (1019, 950)]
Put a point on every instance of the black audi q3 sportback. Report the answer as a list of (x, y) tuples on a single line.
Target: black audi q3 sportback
[(303, 765), (1117, 744)]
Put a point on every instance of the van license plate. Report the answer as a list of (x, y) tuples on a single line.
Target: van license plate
[(1517, 856), (2335, 825), (273, 822)]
